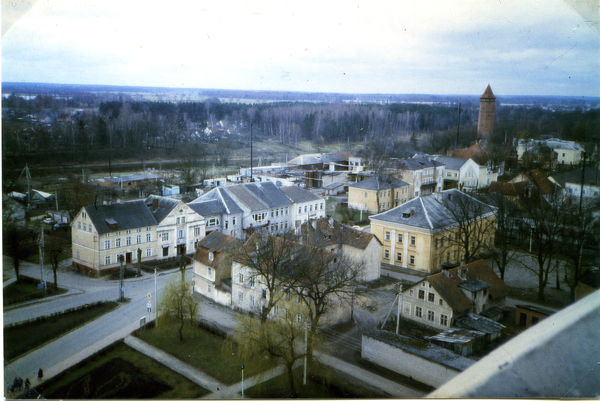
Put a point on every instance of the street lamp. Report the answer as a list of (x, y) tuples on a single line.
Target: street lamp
[(243, 380)]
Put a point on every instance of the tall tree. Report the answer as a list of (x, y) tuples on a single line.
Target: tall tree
[(178, 302)]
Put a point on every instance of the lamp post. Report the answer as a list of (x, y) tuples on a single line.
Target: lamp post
[(243, 380), (121, 289)]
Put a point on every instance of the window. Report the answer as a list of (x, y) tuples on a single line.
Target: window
[(164, 236), (418, 311), (412, 259), (444, 320), (272, 213), (431, 297), (251, 300), (180, 234), (128, 241), (178, 220), (431, 315), (399, 257), (421, 294), (300, 209), (165, 252), (441, 302), (413, 240), (84, 227), (211, 256), (90, 228), (400, 238), (311, 208), (138, 239), (287, 211), (107, 244), (148, 237), (240, 297), (233, 220), (117, 242), (264, 293), (251, 281), (305, 209), (209, 271), (240, 278), (321, 206), (79, 225), (148, 252), (259, 217), (183, 220), (387, 235), (208, 288), (411, 293), (107, 260), (386, 254)]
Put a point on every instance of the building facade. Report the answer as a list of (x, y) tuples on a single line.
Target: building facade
[(378, 193)]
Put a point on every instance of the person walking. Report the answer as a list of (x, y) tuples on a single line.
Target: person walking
[(40, 374)]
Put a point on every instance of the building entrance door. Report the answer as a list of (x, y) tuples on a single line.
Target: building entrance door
[(181, 249), (128, 257)]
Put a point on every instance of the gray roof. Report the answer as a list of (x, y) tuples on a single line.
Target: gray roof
[(423, 349), (215, 241), (375, 183), (269, 193), (592, 177), (299, 195), (208, 208), (165, 206), (126, 215), (245, 196), (433, 211), (477, 322), (474, 285), (457, 336), (132, 177), (334, 185), (417, 163), (452, 163)]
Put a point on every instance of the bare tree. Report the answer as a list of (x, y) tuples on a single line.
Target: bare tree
[(274, 262), (472, 224), (545, 221), (582, 228), (506, 213)]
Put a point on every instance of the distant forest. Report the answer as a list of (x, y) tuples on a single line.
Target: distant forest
[(72, 125)]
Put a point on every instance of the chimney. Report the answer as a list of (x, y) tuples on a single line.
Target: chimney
[(154, 204), (462, 273)]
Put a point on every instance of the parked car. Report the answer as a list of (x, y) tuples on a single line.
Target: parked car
[(61, 226), (48, 220)]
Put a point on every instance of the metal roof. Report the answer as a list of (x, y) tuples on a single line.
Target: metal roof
[(299, 195), (165, 206), (479, 323), (376, 183)]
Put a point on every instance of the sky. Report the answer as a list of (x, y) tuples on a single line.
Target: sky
[(519, 47)]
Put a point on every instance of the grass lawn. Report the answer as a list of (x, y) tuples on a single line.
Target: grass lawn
[(120, 372), (329, 384), (27, 290), (23, 338), (200, 349)]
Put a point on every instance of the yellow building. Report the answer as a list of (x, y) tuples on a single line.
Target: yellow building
[(377, 193), (429, 232)]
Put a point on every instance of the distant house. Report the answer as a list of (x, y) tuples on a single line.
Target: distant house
[(126, 181), (333, 189), (538, 180), (441, 299), (321, 161), (362, 248), (460, 341), (570, 182), (561, 152), (425, 175), (378, 193), (212, 266), (465, 174)]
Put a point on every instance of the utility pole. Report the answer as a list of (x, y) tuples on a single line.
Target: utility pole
[(121, 289), (399, 302), (156, 301), (43, 278)]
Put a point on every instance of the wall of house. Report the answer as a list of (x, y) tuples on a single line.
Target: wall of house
[(397, 360), (216, 293), (387, 233), (439, 307), (369, 258), (85, 247)]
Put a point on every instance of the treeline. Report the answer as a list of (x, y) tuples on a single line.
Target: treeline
[(49, 128)]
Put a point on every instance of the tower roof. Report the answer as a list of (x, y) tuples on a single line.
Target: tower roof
[(488, 94)]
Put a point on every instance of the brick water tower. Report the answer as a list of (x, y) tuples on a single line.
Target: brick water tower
[(487, 107)]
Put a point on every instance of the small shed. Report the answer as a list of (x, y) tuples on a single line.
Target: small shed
[(528, 315), (460, 341), (335, 188), (473, 321)]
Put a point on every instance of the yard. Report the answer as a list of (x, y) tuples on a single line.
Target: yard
[(119, 372)]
